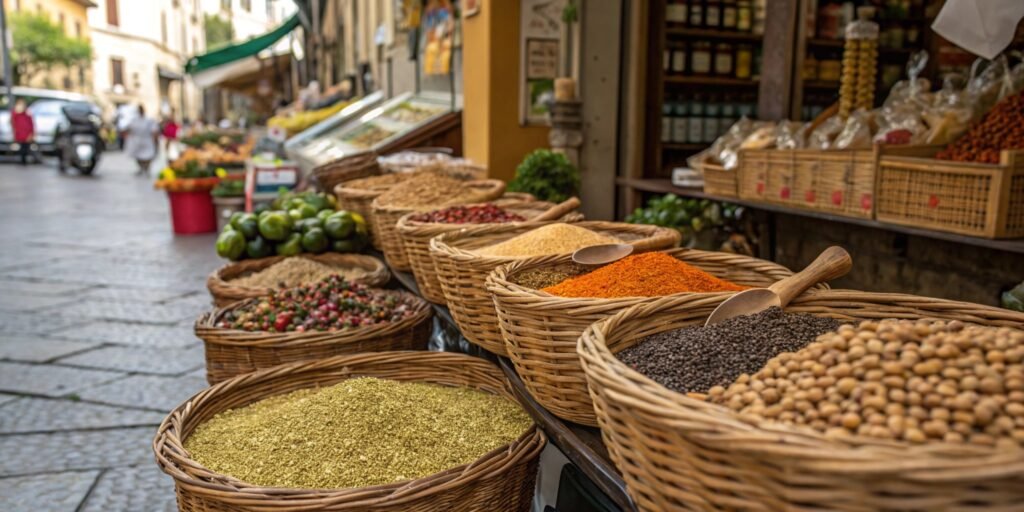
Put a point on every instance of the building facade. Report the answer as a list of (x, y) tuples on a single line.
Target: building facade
[(72, 17), (139, 51), (250, 17)]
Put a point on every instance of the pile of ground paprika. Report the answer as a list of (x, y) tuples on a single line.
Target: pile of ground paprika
[(650, 274)]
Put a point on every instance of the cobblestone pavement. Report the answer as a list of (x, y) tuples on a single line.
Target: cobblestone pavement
[(97, 299)]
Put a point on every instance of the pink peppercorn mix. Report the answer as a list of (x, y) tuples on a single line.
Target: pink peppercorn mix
[(477, 214)]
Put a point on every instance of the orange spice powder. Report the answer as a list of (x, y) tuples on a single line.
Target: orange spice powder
[(650, 274)]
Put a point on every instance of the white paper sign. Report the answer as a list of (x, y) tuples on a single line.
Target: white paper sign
[(982, 27)]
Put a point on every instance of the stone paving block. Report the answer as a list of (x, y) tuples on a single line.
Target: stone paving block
[(17, 287), (37, 349), (28, 302), (165, 361), (34, 323), (146, 391), (119, 293), (50, 380), (147, 335), (139, 488), (91, 449), (127, 311), (4, 398), (51, 415), (54, 492)]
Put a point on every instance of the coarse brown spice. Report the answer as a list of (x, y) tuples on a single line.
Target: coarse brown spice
[(380, 182), (296, 271), (549, 239), (360, 432), (695, 359), (431, 190), (538, 278)]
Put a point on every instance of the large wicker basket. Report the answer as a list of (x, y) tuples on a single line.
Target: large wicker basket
[(463, 274), (541, 330), (681, 453), (416, 238), (360, 165), (385, 220), (231, 352), (225, 292), (502, 479)]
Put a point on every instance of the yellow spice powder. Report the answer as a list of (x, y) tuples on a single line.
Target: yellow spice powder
[(549, 239)]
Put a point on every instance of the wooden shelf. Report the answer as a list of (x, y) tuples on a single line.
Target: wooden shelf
[(710, 80), (664, 186), (822, 84), (838, 44), (710, 33), (684, 146)]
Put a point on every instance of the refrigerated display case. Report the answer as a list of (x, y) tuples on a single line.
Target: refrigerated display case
[(404, 121), (295, 147)]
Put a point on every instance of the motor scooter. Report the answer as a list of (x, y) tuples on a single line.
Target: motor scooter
[(78, 140)]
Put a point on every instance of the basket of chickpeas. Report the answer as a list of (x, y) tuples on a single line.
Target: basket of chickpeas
[(845, 401)]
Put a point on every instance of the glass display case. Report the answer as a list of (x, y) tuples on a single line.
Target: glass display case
[(295, 147)]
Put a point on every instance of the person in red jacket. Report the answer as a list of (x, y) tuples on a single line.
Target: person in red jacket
[(23, 128)]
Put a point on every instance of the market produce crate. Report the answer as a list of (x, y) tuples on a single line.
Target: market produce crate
[(678, 452), (463, 273), (985, 200), (840, 182), (541, 330), (231, 352), (416, 238), (386, 217), (503, 479), (224, 292), (359, 165), (718, 180)]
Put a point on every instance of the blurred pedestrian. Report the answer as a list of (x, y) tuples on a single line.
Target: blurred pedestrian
[(170, 132), (23, 128), (140, 140)]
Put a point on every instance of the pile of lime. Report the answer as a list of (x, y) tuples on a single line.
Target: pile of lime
[(294, 224)]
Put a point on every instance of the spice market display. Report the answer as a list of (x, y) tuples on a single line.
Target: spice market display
[(650, 274), (549, 239)]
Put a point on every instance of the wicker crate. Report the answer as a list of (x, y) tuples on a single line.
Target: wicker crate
[(541, 330), (719, 181), (839, 182), (502, 479), (680, 453), (231, 352), (463, 273), (360, 165), (985, 200)]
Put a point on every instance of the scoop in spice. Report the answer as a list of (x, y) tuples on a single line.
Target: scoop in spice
[(650, 274), (695, 359), (556, 238), (360, 432)]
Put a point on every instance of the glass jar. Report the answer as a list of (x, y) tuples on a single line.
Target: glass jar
[(696, 17), (679, 60), (680, 122), (724, 60), (729, 8), (744, 15), (695, 122), (710, 129), (700, 58), (666, 121), (713, 14), (676, 12), (744, 61)]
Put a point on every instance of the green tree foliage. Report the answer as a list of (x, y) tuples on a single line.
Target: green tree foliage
[(40, 44), (219, 31)]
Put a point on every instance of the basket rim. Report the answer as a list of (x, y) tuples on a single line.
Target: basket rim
[(499, 281), (174, 460), (850, 454), (408, 227), (205, 327), (355, 159), (447, 243), (216, 278), (489, 185)]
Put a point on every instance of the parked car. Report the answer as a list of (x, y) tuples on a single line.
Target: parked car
[(45, 107)]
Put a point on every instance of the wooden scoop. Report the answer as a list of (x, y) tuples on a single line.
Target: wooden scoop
[(601, 254), (558, 210), (834, 262)]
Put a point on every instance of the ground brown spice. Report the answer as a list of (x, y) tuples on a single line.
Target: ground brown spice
[(296, 271)]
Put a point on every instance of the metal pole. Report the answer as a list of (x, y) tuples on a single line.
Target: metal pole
[(7, 42)]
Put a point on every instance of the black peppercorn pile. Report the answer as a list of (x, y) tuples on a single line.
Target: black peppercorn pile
[(695, 359)]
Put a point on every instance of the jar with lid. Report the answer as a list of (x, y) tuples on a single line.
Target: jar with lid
[(679, 59), (723, 60), (729, 13), (700, 58), (680, 122), (727, 112), (744, 15), (696, 17), (713, 14), (710, 129), (666, 120), (695, 122), (744, 61), (676, 12)]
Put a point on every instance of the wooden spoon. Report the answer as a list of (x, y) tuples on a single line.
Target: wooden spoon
[(558, 210), (834, 262), (601, 254)]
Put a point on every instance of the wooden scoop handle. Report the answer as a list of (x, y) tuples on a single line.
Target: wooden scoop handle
[(559, 209), (832, 263)]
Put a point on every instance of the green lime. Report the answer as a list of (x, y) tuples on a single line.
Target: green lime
[(343, 246), (259, 247), (275, 226), (308, 210), (291, 247), (323, 214), (339, 226), (231, 245), (314, 241)]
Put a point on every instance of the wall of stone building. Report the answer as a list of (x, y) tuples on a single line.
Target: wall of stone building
[(884, 261)]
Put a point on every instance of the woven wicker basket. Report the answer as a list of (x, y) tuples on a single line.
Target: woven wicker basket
[(385, 220), (681, 453), (416, 239), (502, 479), (463, 274), (352, 167), (231, 352), (541, 330), (224, 292), (719, 181)]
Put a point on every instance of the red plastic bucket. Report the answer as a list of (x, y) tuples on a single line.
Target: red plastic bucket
[(192, 212)]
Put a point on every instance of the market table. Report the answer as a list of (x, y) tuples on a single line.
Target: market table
[(581, 445)]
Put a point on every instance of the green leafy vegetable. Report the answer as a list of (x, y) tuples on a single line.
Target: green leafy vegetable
[(549, 176)]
